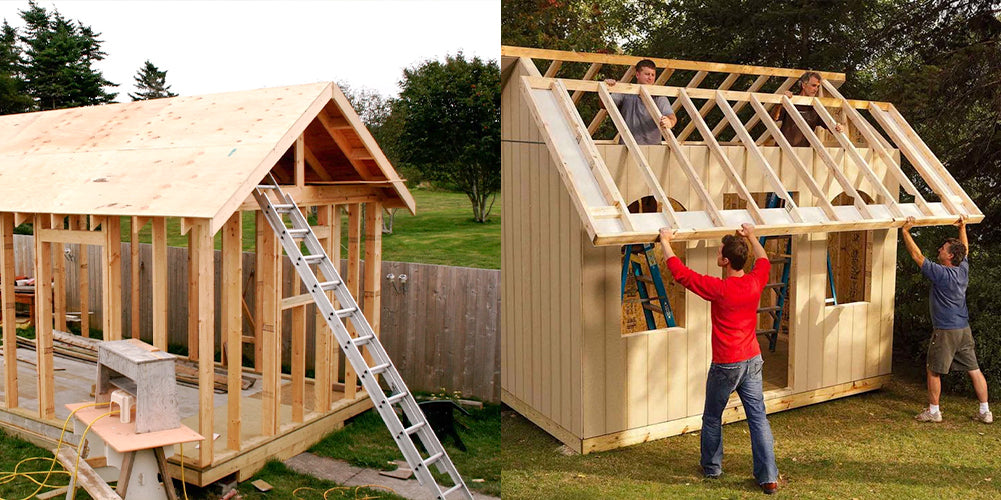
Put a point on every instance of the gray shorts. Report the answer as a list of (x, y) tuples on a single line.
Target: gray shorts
[(951, 351)]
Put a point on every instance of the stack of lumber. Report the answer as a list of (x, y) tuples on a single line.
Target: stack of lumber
[(85, 349)]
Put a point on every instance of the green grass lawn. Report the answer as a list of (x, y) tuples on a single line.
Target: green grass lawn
[(865, 446), (443, 232), (365, 442)]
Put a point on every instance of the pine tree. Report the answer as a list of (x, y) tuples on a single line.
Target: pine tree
[(151, 83), (13, 99), (58, 61)]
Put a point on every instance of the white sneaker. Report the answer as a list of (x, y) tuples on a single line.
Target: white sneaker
[(928, 416), (985, 417)]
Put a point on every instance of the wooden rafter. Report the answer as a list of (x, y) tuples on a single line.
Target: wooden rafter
[(342, 142), (755, 86), (773, 179), (786, 85), (797, 163), (864, 165), (686, 164), (708, 106), (825, 156), (553, 68), (638, 157), (714, 147), (919, 162), (599, 117), (592, 70), (596, 163)]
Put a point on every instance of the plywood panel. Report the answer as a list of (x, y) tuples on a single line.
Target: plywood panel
[(875, 310), (701, 258)]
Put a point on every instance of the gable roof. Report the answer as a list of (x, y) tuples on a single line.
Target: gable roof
[(603, 210), (191, 156)]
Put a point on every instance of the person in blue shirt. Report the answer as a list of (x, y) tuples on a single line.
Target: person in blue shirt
[(634, 112), (951, 347)]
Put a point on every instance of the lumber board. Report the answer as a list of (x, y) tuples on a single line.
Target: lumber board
[(82, 237), (9, 311), (81, 223), (112, 275), (43, 323), (159, 284), (599, 117), (536, 82), (204, 287), (231, 298), (353, 281), (134, 299), (626, 60), (708, 106)]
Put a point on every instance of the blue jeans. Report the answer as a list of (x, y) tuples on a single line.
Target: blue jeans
[(745, 378)]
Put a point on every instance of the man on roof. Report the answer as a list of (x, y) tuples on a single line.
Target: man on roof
[(737, 363), (951, 347), (635, 114), (809, 86)]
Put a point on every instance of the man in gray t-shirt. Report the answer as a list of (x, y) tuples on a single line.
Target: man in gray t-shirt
[(951, 346), (635, 114)]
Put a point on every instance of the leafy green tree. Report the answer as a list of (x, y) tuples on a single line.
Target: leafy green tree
[(581, 25), (451, 126), (151, 83), (58, 61), (13, 99)]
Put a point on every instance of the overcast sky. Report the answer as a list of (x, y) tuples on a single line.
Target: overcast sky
[(220, 46)]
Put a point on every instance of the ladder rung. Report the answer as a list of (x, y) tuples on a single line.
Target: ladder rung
[(644, 278), (267, 186), (778, 259), (651, 307), (769, 309), (313, 258), (297, 233), (377, 369), (450, 490), (414, 428), (775, 285), (360, 341), (345, 312), (284, 207), (433, 458), (765, 332), (396, 398), (326, 286)]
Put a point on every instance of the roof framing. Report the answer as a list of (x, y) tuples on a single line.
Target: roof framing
[(193, 157), (601, 204)]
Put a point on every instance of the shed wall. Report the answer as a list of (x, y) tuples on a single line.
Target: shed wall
[(541, 272)]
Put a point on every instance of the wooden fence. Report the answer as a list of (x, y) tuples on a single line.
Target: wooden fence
[(441, 327)]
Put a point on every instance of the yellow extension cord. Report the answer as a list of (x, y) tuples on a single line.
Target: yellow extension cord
[(11, 476)]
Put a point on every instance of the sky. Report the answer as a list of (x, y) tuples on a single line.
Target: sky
[(221, 46)]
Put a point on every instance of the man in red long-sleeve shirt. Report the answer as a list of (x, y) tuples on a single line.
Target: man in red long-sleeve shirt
[(737, 361)]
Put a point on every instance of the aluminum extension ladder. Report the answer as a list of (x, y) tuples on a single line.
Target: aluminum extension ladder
[(642, 281), (290, 238)]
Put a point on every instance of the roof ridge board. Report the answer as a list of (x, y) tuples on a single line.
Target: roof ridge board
[(625, 60)]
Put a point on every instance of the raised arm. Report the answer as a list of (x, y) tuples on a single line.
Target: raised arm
[(666, 234), (747, 231), (962, 234), (912, 247)]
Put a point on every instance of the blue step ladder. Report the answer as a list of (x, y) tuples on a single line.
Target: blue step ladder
[(781, 287), (649, 304)]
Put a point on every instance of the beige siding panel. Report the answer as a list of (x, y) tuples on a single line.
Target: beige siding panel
[(817, 275), (889, 239), (593, 312), (876, 301), (859, 330), (506, 264), (576, 242), (845, 325), (699, 330), (616, 348), (535, 236)]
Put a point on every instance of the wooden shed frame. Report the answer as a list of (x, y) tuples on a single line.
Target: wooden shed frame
[(566, 365), (75, 173)]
